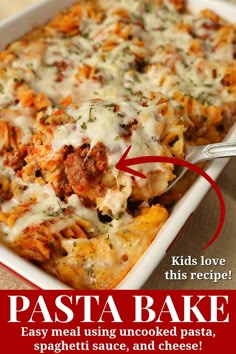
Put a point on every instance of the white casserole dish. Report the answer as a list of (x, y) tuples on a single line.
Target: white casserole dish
[(13, 28)]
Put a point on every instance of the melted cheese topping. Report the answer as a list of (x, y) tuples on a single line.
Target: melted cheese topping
[(100, 124)]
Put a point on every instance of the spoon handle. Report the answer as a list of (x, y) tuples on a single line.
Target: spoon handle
[(219, 150), (195, 154)]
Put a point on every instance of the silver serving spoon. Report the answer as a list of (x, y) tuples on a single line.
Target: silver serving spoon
[(195, 154)]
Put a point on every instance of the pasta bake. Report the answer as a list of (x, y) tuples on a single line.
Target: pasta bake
[(74, 94)]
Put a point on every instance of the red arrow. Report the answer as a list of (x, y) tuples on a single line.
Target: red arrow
[(124, 163)]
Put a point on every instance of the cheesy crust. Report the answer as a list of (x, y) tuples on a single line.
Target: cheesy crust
[(74, 94)]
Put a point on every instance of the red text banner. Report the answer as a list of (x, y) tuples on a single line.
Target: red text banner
[(120, 321)]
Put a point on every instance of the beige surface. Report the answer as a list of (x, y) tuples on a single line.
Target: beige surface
[(195, 235), (9, 8)]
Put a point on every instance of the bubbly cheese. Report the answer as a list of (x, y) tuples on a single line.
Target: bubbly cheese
[(100, 123)]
